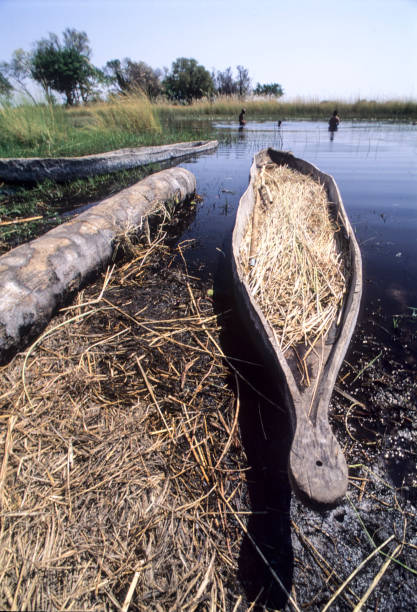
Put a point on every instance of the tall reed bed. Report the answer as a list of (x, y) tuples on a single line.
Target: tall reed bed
[(132, 113), (218, 107), (50, 130), (301, 108), (45, 129)]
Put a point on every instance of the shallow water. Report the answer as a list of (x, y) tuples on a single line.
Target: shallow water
[(375, 167)]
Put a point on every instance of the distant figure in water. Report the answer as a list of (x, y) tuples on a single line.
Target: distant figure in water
[(242, 117), (333, 124), (279, 123)]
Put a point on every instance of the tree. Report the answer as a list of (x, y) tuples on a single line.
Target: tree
[(225, 83), (243, 81), (18, 70), (114, 73), (188, 80), (5, 86), (269, 89), (130, 76), (66, 67), (73, 39)]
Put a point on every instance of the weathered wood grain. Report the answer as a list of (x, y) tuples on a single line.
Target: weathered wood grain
[(35, 169), (317, 467), (36, 277)]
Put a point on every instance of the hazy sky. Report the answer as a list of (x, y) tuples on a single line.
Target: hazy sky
[(322, 48)]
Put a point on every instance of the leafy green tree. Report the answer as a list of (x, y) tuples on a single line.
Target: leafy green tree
[(130, 76), (188, 80), (269, 89), (65, 67)]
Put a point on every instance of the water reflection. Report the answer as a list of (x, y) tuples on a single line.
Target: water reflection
[(280, 136)]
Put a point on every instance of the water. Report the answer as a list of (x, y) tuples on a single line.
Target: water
[(375, 167)]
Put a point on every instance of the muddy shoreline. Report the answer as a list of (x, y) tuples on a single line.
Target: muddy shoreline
[(374, 420), (259, 549), (312, 554)]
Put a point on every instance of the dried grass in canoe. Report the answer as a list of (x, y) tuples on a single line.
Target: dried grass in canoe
[(292, 262)]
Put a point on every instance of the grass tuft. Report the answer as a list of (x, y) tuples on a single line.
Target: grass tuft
[(38, 127), (131, 113)]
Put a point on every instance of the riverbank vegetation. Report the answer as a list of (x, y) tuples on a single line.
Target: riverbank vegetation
[(297, 108), (51, 130)]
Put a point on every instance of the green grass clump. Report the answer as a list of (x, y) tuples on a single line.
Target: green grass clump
[(32, 127), (53, 131), (127, 113)]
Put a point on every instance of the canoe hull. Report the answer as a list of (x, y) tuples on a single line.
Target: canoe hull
[(317, 467), (34, 169)]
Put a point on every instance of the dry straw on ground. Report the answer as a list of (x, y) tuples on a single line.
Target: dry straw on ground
[(298, 275), (123, 479), (119, 483)]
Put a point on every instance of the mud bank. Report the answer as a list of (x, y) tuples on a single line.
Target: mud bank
[(136, 445)]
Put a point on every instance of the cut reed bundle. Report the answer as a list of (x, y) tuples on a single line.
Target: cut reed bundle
[(291, 258)]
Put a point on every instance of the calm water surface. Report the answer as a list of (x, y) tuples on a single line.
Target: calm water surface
[(375, 167)]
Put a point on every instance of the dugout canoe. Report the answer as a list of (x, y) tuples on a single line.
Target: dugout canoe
[(37, 277), (317, 467), (35, 169)]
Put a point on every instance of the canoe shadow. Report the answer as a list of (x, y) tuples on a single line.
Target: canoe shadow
[(266, 436), (266, 440)]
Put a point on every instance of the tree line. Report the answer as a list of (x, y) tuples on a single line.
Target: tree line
[(64, 66)]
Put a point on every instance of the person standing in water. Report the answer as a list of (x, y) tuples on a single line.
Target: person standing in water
[(242, 117), (334, 122)]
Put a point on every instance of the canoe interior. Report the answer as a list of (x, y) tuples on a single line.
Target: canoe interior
[(317, 467)]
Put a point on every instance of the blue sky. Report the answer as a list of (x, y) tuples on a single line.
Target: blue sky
[(313, 48)]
